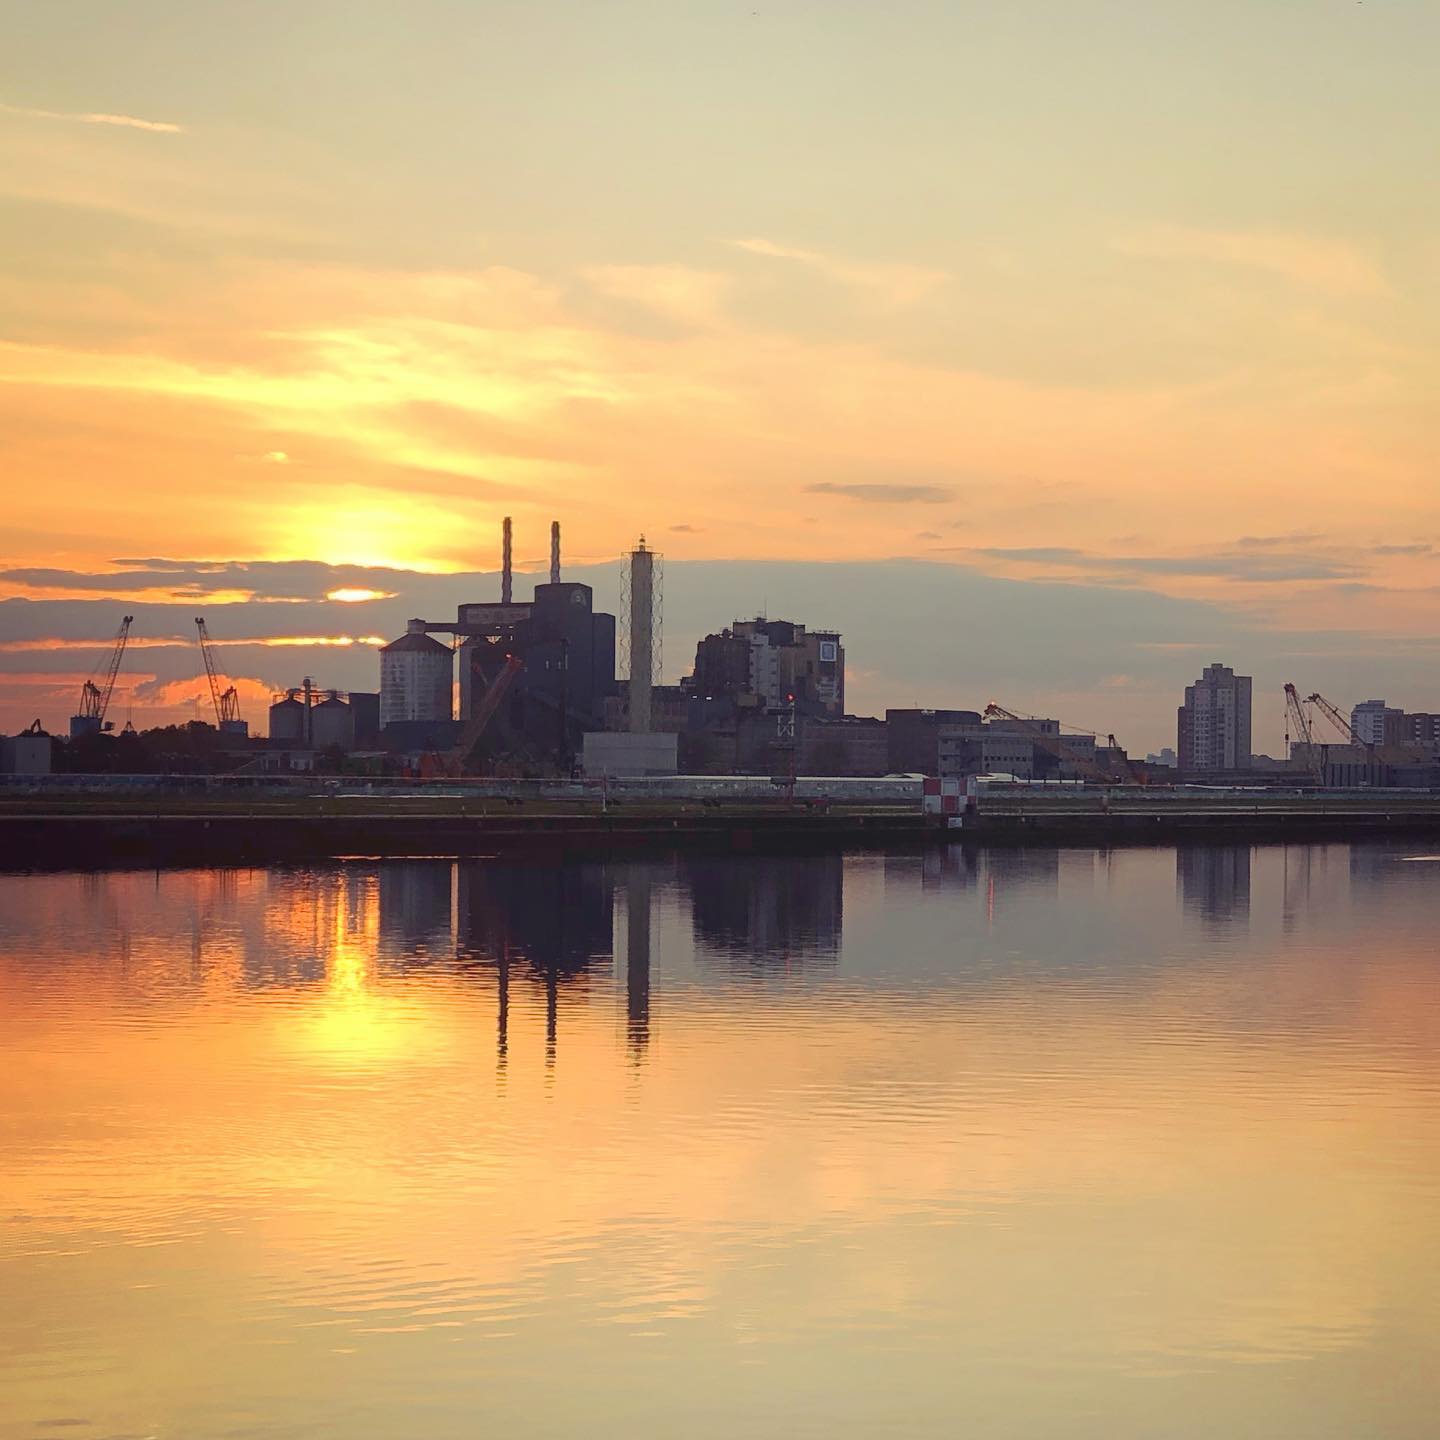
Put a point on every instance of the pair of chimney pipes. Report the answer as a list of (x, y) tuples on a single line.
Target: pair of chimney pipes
[(506, 568)]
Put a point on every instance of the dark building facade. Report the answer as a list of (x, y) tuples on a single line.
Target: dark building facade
[(913, 737), (760, 662), (792, 910), (567, 651), (365, 704), (1420, 728), (722, 666)]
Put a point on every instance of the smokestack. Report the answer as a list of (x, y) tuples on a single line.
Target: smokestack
[(554, 552), (506, 575), (642, 636)]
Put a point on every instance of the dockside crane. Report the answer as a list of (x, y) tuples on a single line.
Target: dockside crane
[(1055, 745), (1383, 754), (1296, 717), (1334, 716), (226, 702), (452, 762), (95, 698)]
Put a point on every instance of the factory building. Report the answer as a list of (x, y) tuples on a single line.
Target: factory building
[(567, 649), (28, 753), (846, 745), (365, 706), (556, 651), (1028, 750), (913, 737), (416, 678), (764, 662)]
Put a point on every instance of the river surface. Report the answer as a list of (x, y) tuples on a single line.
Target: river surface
[(1008, 1144)]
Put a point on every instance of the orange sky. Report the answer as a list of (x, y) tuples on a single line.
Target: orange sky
[(1139, 298)]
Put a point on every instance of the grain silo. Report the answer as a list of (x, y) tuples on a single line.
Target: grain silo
[(416, 678), (332, 723), (287, 718)]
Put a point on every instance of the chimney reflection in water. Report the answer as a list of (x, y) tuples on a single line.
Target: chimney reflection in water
[(637, 958)]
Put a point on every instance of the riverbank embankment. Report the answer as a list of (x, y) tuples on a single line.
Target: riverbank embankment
[(75, 827), (168, 831)]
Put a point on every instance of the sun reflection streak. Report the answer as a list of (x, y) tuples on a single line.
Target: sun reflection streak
[(351, 1023)]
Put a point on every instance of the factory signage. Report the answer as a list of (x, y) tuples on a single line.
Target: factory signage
[(499, 616)]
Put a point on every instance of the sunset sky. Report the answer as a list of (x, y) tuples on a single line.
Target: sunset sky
[(1048, 350)]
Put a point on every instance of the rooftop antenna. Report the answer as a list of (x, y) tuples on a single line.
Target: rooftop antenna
[(506, 574), (554, 552)]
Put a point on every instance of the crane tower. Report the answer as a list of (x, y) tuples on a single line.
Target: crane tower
[(95, 698), (226, 702)]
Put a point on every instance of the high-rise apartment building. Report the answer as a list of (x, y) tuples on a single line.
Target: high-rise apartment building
[(1214, 721), (1373, 722), (1421, 728)]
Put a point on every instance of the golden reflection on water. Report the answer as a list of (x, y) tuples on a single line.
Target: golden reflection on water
[(1037, 1144)]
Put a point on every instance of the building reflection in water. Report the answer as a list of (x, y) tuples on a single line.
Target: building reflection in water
[(303, 912), (551, 924), (416, 909), (638, 922), (948, 867), (788, 910), (1214, 883)]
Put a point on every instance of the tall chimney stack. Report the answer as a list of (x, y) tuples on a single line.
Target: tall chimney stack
[(506, 574), (642, 636), (554, 552)]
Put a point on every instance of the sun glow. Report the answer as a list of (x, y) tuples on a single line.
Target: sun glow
[(341, 640), (352, 1023), (368, 528), (354, 594)]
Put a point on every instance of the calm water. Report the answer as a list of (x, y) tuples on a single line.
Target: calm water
[(1020, 1144)]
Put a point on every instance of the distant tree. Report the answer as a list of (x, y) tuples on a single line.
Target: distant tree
[(331, 760)]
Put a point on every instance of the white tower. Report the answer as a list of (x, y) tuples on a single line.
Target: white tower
[(642, 636)]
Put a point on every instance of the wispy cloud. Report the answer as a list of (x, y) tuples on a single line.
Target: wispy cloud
[(1258, 566), (892, 284), (94, 117), (1269, 542), (340, 640), (1313, 261), (678, 292), (98, 644), (883, 494), (101, 644)]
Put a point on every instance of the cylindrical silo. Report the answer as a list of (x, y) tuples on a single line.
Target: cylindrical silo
[(287, 720), (332, 723), (416, 678)]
